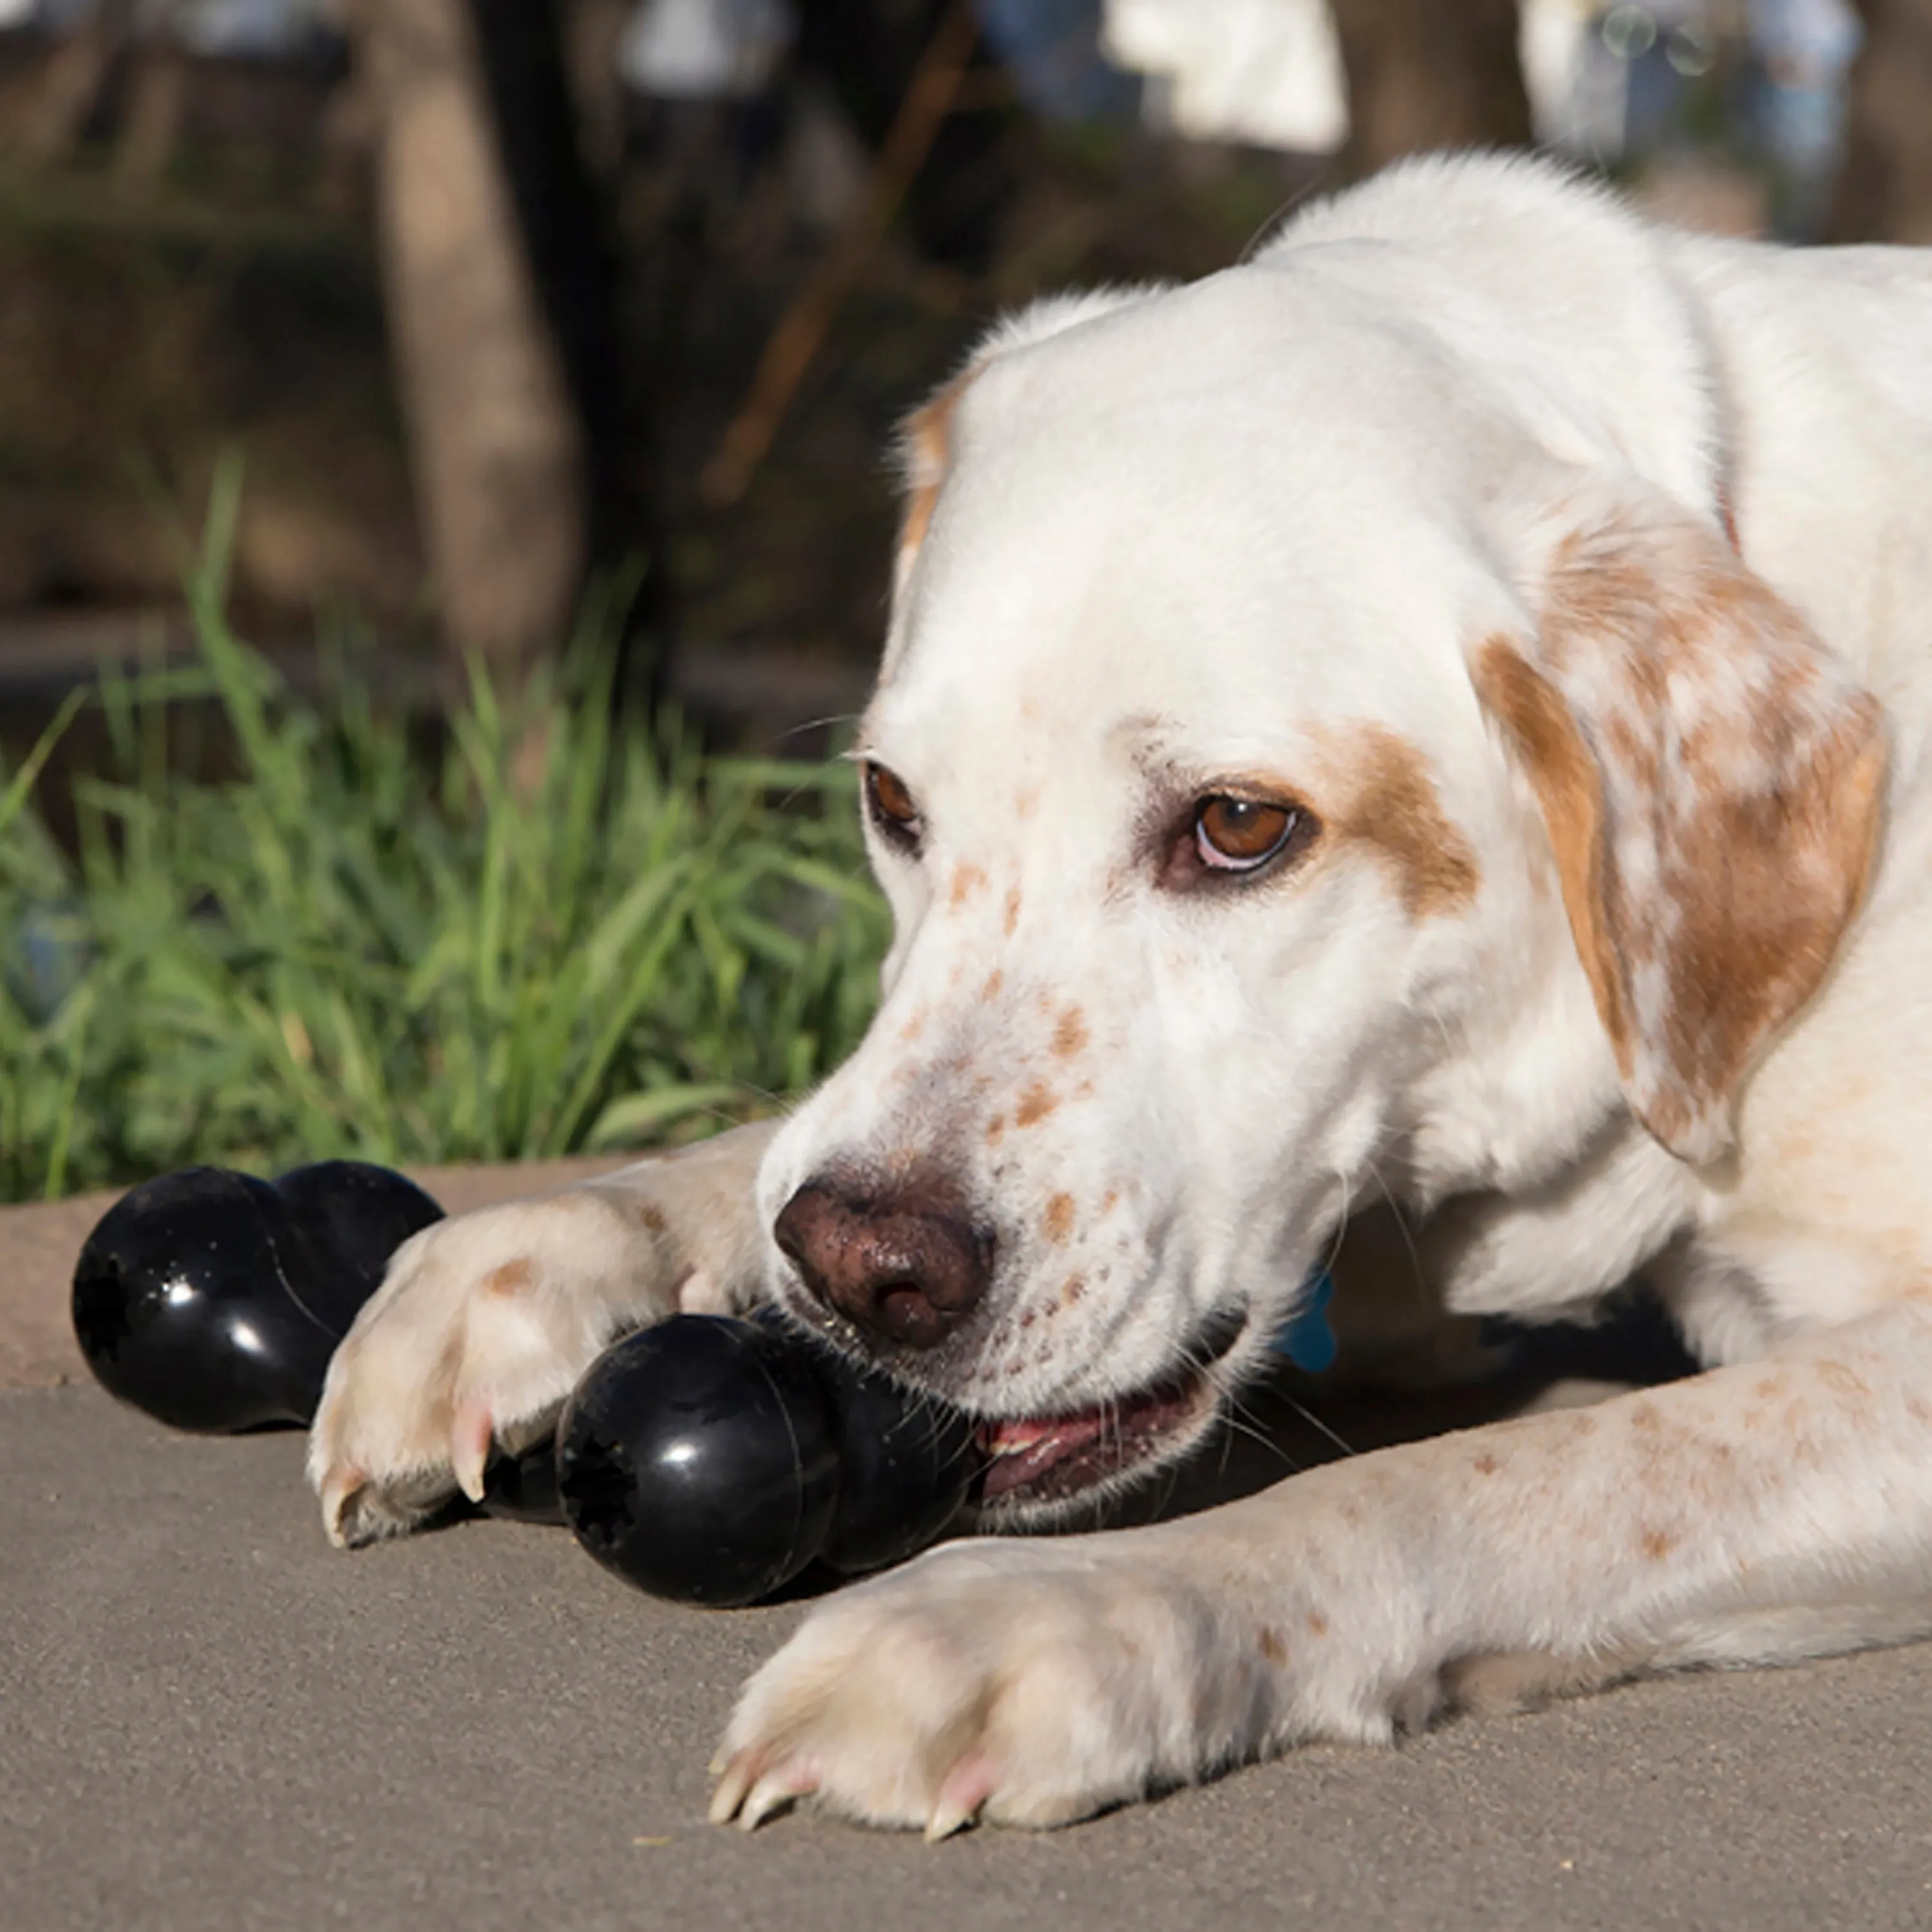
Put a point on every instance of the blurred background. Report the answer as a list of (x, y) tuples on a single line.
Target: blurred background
[(494, 295), (400, 334)]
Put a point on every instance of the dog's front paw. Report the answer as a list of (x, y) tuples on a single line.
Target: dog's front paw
[(484, 1323), (481, 1328), (1027, 1683)]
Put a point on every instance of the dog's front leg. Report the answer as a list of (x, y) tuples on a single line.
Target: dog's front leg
[(1780, 1508), (484, 1322)]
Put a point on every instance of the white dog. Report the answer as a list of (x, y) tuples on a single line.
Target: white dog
[(1436, 713)]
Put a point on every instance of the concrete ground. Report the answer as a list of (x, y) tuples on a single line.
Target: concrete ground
[(209, 1719)]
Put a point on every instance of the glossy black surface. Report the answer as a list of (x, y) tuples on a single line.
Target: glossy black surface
[(905, 1464), (710, 1461), (214, 1299), (524, 1488), (697, 1460)]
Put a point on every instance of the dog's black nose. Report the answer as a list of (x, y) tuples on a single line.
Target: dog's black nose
[(908, 1265)]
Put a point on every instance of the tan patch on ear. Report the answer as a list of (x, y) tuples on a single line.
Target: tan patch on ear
[(1711, 778), (926, 442), (921, 501), (1796, 863), (511, 1278), (1391, 805), (1563, 775)]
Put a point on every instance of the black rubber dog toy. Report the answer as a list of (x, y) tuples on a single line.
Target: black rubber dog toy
[(709, 1460), (213, 1299)]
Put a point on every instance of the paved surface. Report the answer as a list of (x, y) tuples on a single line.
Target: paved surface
[(208, 1720)]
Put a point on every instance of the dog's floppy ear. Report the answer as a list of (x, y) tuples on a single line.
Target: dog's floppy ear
[(1711, 778)]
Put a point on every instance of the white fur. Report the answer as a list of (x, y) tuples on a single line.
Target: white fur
[(1188, 533)]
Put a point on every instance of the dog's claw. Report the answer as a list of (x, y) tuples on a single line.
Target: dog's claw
[(748, 1794), (946, 1820), (736, 1775), (339, 1490), (774, 1793), (961, 1798), (470, 1436)]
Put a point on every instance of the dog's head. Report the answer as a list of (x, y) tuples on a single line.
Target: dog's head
[(1292, 777)]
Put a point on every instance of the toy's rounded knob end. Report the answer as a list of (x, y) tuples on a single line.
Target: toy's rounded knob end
[(696, 1459), (213, 1300)]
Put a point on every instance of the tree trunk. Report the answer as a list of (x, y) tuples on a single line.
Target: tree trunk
[(1425, 74), (151, 126), (561, 217), (1884, 191), (593, 40), (497, 445), (77, 80)]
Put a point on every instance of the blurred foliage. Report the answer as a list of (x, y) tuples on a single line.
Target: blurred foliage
[(564, 937)]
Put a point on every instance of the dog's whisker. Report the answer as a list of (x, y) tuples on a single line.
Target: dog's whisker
[(1335, 1240), (1268, 227), (1315, 1422), (819, 724), (1254, 1432), (1417, 1273)]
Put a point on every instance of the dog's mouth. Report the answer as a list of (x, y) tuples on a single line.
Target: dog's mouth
[(1049, 1459)]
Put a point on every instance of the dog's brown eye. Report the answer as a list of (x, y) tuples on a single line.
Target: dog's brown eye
[(1237, 835), (892, 806)]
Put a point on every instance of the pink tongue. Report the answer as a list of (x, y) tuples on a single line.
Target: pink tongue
[(1022, 1449), (1011, 1437)]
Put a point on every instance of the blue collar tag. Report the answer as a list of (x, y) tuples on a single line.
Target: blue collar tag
[(1305, 1338)]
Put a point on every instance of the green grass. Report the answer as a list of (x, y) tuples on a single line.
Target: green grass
[(341, 951)]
